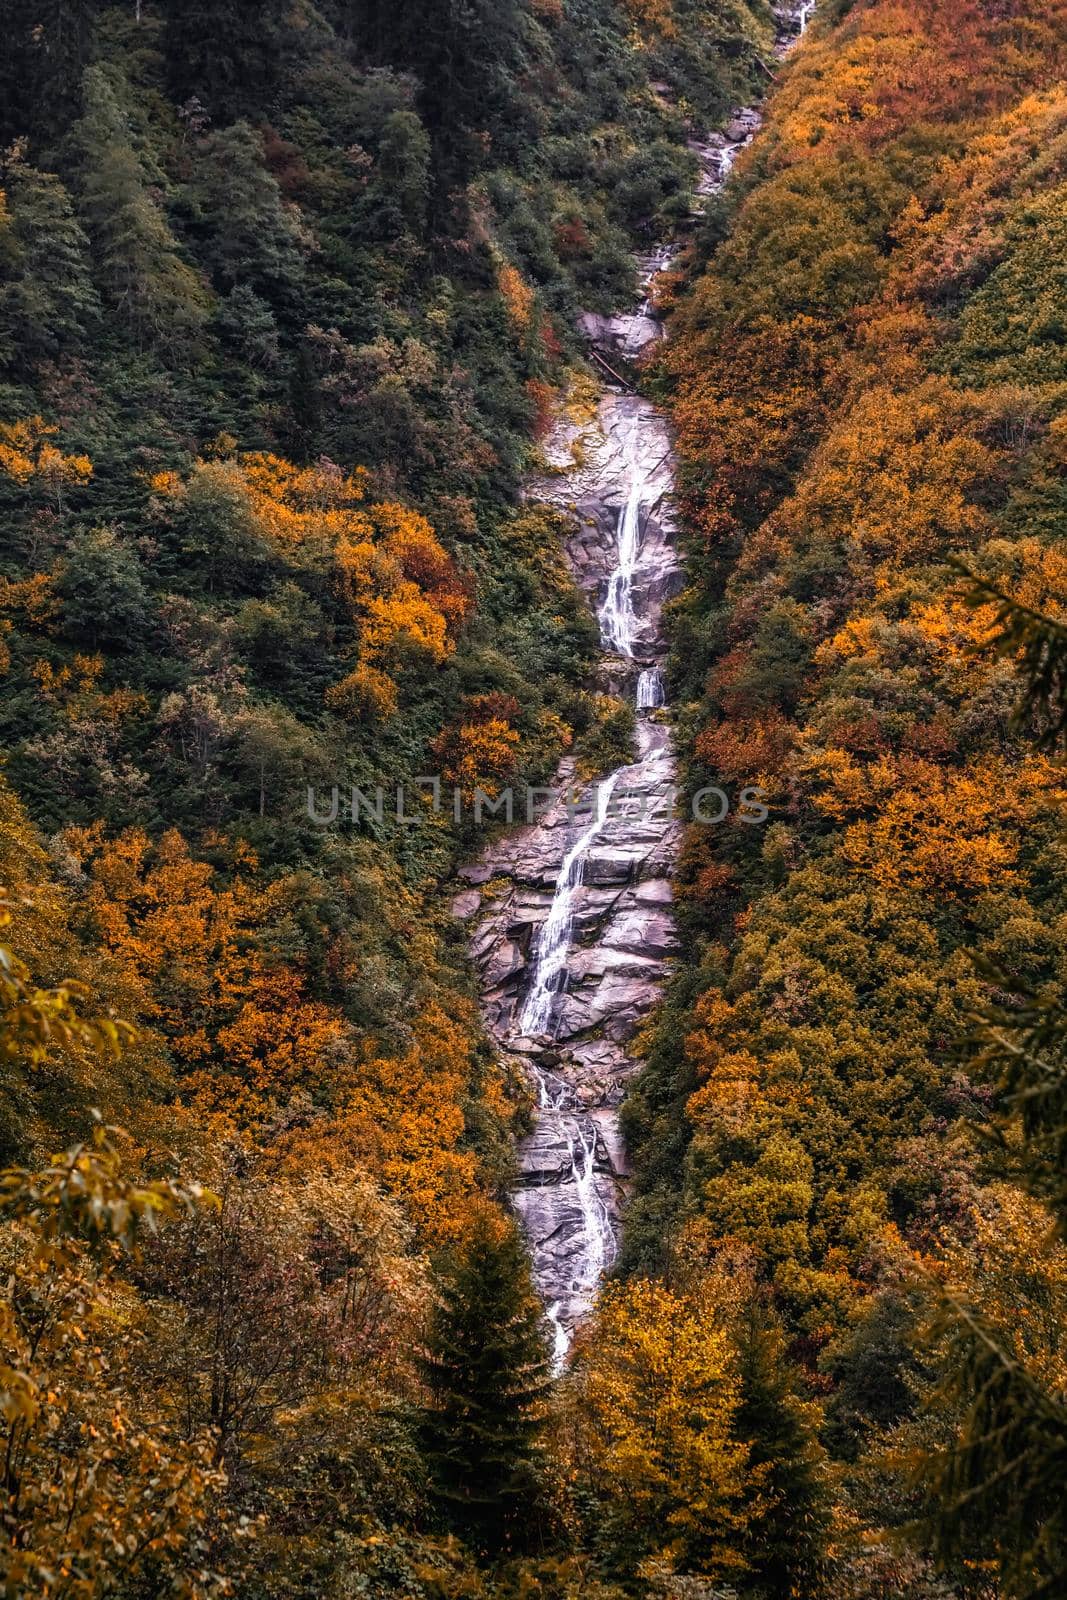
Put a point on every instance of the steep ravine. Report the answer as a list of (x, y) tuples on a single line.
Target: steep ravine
[(571, 927)]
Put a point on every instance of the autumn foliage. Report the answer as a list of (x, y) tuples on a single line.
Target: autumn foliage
[(287, 295), (869, 393)]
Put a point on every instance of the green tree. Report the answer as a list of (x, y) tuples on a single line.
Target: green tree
[(249, 237), (467, 55), (246, 322), (277, 756), (103, 592), (136, 258), (46, 47), (485, 1369), (230, 56), (213, 524), (786, 1536), (283, 638), (402, 175), (47, 299)]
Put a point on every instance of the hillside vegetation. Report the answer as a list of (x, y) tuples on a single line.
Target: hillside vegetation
[(285, 292), (868, 380), (287, 296)]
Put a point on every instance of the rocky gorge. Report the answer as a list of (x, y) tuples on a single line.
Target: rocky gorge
[(570, 924)]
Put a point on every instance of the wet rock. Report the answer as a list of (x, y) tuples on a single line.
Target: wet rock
[(743, 124), (653, 936), (608, 1127), (628, 336), (505, 959), (466, 904), (603, 866), (484, 941)]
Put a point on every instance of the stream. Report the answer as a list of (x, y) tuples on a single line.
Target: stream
[(570, 922)]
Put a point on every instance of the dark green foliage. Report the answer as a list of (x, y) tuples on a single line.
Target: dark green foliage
[(1001, 1478), (137, 262), (247, 238), (467, 56), (1000, 1483), (486, 1370), (403, 185), (1038, 645), (47, 299), (1024, 1048), (102, 589), (47, 45), (785, 1542), (609, 741), (871, 1369), (247, 327), (774, 672), (257, 269), (231, 56)]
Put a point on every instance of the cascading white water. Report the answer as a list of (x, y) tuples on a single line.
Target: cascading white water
[(617, 618), (551, 1095), (561, 1339), (651, 267), (804, 16), (650, 695), (554, 941), (599, 1232)]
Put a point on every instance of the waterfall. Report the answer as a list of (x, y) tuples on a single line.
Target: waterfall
[(561, 1339), (657, 263), (550, 1096), (572, 1164), (554, 941), (618, 622), (597, 1222), (650, 694)]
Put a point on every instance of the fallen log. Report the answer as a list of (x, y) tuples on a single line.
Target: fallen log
[(597, 357)]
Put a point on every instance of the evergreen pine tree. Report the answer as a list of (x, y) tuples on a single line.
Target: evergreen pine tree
[(231, 56), (46, 46), (47, 299), (248, 236), (105, 602), (468, 57), (136, 257), (1004, 1472), (486, 1372), (785, 1539)]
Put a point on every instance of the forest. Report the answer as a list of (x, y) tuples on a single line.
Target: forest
[(289, 305)]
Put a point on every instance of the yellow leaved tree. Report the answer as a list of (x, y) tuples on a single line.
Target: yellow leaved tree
[(96, 1487), (648, 1418)]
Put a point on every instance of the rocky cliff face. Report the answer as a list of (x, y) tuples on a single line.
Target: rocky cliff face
[(571, 928)]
